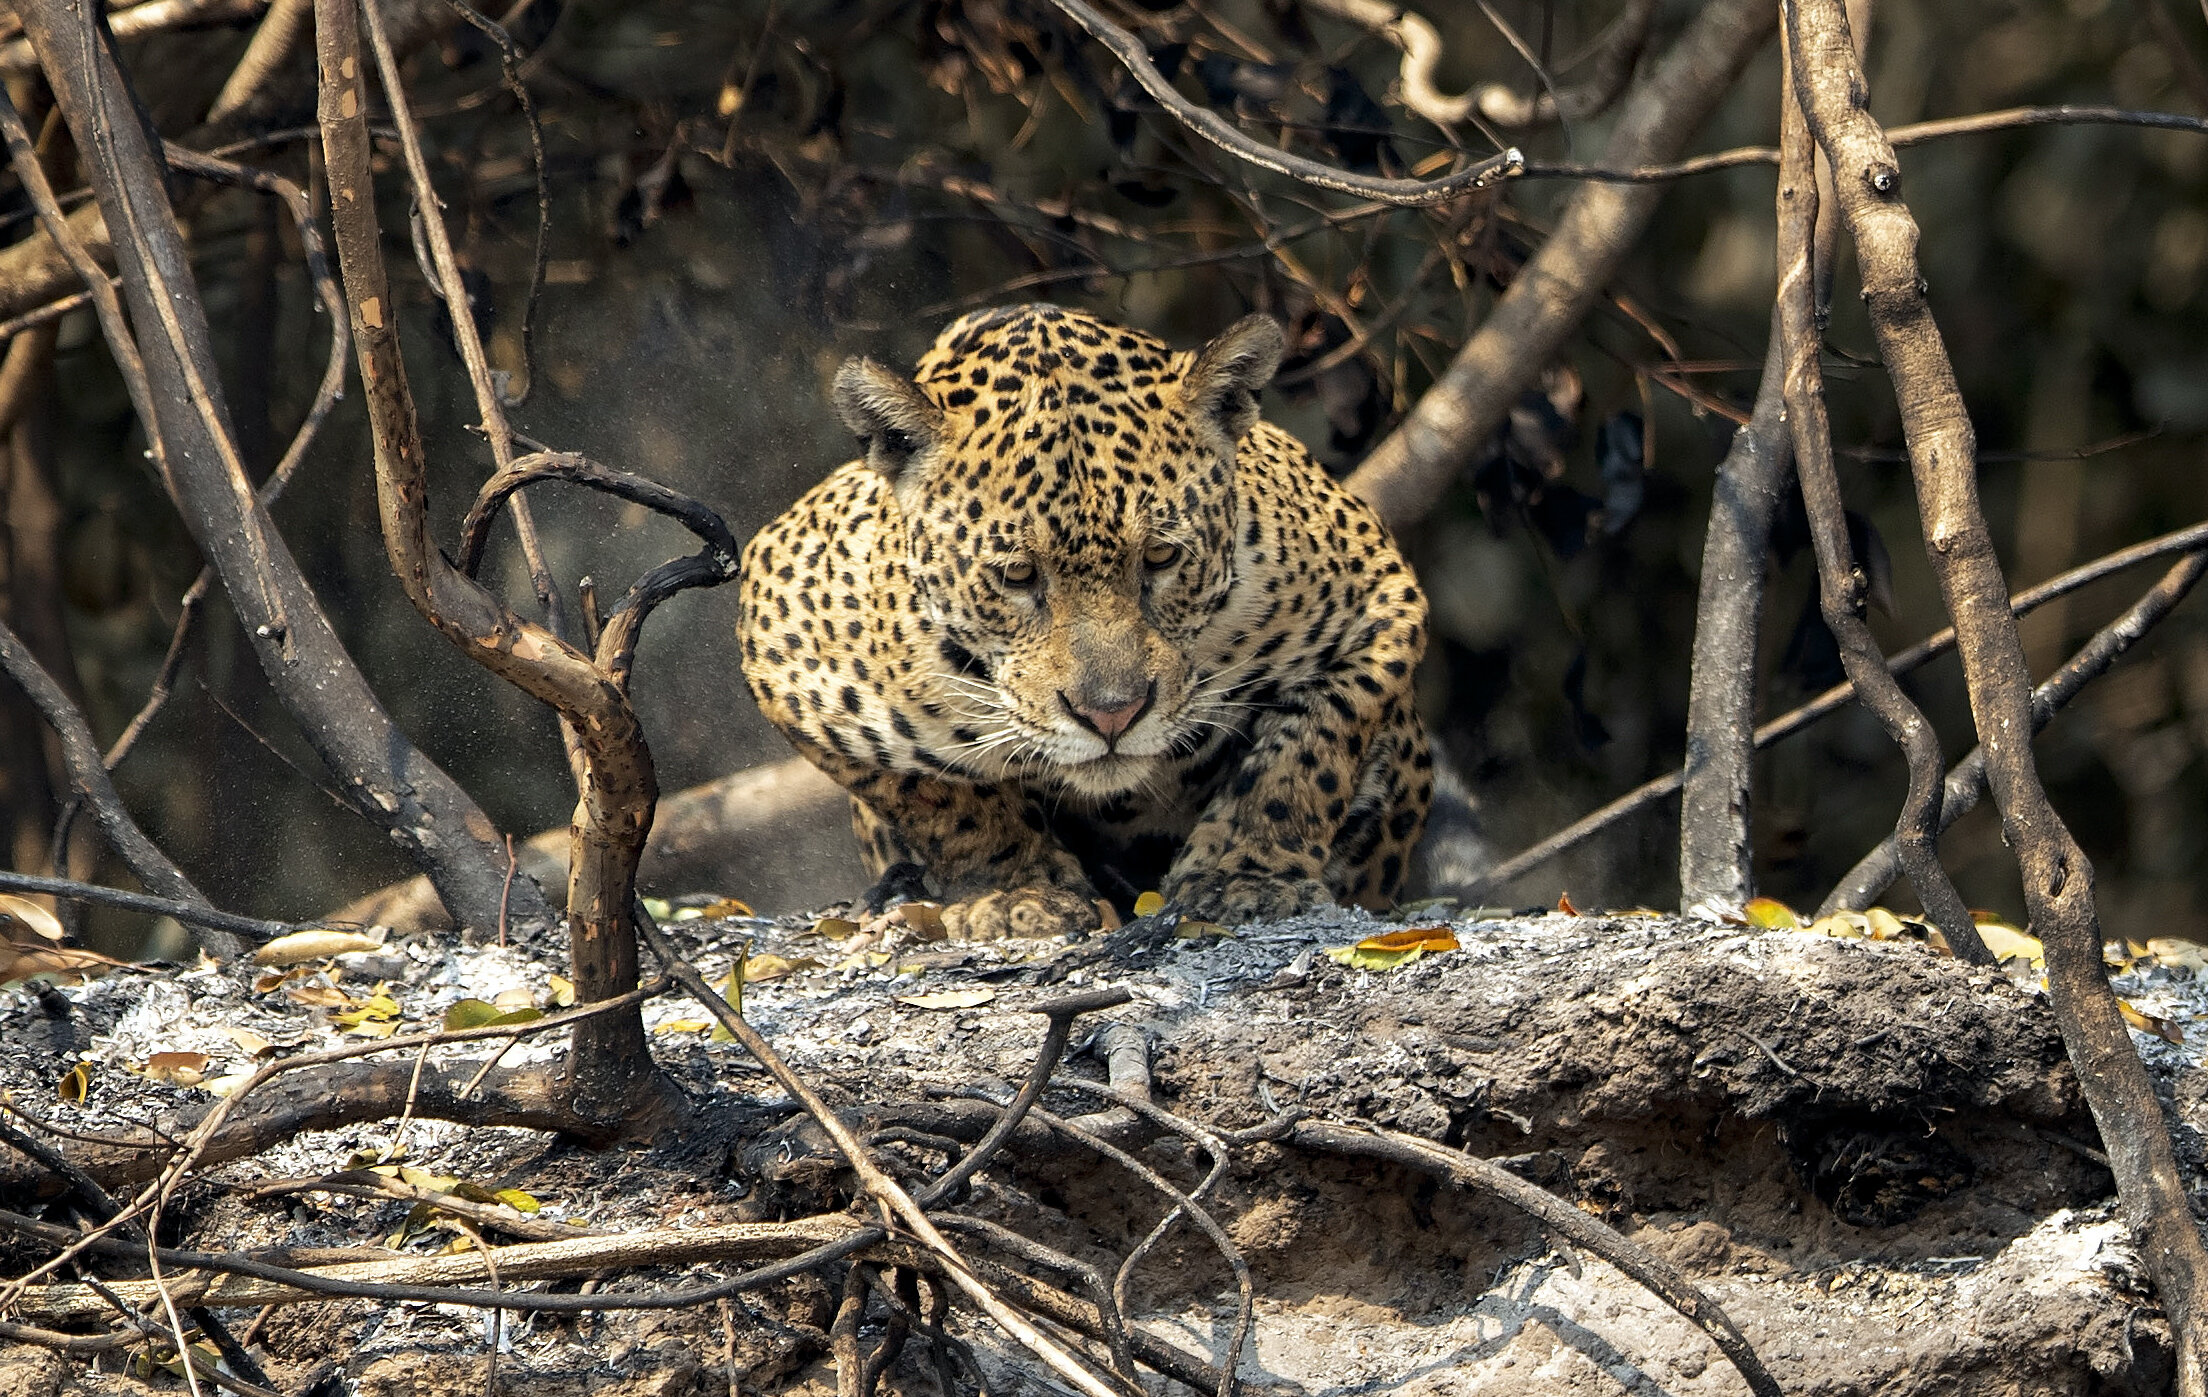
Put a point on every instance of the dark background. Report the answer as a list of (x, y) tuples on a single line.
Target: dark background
[(894, 164)]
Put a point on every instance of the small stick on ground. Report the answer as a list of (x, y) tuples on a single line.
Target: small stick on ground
[(1556, 1216)]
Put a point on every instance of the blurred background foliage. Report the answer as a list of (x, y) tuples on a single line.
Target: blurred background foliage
[(742, 194)]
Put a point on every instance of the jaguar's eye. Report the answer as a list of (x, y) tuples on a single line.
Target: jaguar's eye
[(1019, 573), (1159, 556)]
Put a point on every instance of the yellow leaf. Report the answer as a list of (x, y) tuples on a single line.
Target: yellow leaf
[(732, 990), (835, 928), (660, 908), (925, 919), (75, 1084), (760, 969), (30, 917), (1148, 903), (730, 102), (948, 999), (1769, 912), (2148, 1023), (2179, 954), (1847, 926), (253, 1043), (424, 1179), (1423, 938), (184, 1069), (563, 991), (1358, 958), (518, 1200), (515, 998), (1885, 926), (318, 944), (685, 1026), (2007, 943)]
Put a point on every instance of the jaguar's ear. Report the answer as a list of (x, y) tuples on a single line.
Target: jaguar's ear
[(1224, 381), (893, 420)]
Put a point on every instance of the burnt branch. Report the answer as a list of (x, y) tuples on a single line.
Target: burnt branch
[(1966, 780), (89, 778), (188, 912), (1559, 1219), (614, 767), (1560, 283), (1407, 193), (1716, 847), (384, 776), (2057, 877), (1838, 697), (1843, 587), (1901, 137)]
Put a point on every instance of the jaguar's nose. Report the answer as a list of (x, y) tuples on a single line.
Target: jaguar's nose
[(1107, 715)]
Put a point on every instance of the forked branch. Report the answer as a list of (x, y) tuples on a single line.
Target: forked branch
[(2058, 879)]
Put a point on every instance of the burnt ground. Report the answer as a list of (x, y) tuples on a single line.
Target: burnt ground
[(1875, 1159)]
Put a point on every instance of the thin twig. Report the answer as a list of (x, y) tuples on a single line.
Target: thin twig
[(1966, 780), (1208, 124), (1837, 697), (1555, 1216)]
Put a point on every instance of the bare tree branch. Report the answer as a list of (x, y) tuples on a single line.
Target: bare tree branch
[(1716, 847), (1553, 292), (2058, 879), (1966, 780), (1836, 698), (1842, 585), (610, 1062), (385, 777), (89, 778), (1409, 193)]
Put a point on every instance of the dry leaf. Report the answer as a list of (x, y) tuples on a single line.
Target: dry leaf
[(1564, 905), (1424, 938), (474, 1013), (318, 996), (319, 944), (759, 969), (925, 919), (516, 998), (563, 991), (2007, 943), (253, 1043), (2149, 1023), (1885, 926), (1147, 903), (2178, 954), (1394, 949), (835, 928), (30, 917), (727, 907), (75, 1084), (1189, 929), (948, 999), (184, 1069), (24, 963)]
